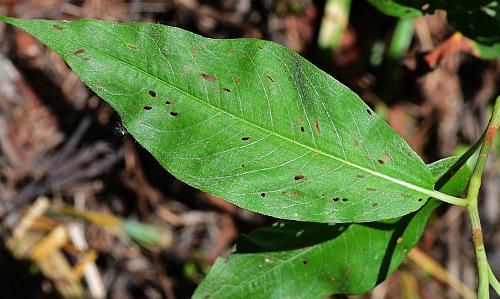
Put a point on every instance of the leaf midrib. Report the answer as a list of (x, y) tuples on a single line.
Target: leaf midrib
[(381, 175)]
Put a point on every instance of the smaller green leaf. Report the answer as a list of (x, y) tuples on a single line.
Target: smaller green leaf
[(310, 260)]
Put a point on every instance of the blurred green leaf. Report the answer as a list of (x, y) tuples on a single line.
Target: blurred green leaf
[(478, 19)]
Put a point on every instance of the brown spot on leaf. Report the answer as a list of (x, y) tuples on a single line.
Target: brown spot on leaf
[(299, 177), (152, 93), (371, 189), (147, 107), (259, 47), (237, 80), (79, 51), (132, 47), (194, 52), (263, 194), (361, 176), (168, 103), (174, 114), (302, 129), (245, 138), (317, 127), (399, 240), (387, 157), (409, 154), (208, 78), (381, 162), (300, 117), (100, 85), (367, 157), (185, 68), (226, 89), (242, 165), (420, 199), (335, 199), (270, 78), (57, 27), (374, 205), (305, 261), (231, 51), (87, 59), (345, 199), (165, 51), (295, 193), (404, 194)]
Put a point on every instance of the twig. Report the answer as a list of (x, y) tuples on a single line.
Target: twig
[(427, 263)]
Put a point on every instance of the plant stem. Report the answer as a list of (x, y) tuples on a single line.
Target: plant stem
[(472, 207), (493, 280)]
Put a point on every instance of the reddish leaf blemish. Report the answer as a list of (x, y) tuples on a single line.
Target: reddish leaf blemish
[(237, 80), (57, 27), (87, 59), (317, 127), (381, 162), (208, 78), (295, 193), (78, 52), (231, 51)]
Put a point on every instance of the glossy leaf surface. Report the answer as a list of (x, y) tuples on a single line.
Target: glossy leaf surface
[(312, 260), (247, 120)]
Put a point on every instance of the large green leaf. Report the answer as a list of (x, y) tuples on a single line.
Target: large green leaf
[(312, 260), (478, 19), (244, 119)]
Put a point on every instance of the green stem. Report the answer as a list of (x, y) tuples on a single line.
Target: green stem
[(472, 207), (493, 280)]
